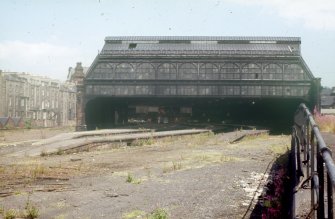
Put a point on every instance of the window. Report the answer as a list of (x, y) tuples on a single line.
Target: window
[(187, 90), (166, 90), (124, 71), (188, 71), (293, 72), (209, 72), (230, 90), (103, 70), (145, 71), (272, 72), (166, 71), (208, 90), (230, 71), (272, 91), (251, 90), (251, 71)]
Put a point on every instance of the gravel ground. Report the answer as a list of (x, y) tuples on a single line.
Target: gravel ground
[(196, 176)]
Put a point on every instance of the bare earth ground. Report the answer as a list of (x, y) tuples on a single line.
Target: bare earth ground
[(195, 176)]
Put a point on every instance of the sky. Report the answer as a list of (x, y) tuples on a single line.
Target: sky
[(46, 37)]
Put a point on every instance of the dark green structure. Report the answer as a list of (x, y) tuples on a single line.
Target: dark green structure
[(211, 78)]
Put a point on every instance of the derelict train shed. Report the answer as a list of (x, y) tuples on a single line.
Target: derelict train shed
[(172, 79)]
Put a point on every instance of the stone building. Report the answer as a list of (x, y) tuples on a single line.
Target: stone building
[(328, 98), (43, 101)]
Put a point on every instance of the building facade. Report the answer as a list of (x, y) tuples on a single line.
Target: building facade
[(328, 98), (205, 77), (39, 101)]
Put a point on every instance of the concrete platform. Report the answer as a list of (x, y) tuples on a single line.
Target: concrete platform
[(72, 141), (83, 134)]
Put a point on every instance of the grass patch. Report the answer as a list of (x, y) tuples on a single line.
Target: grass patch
[(198, 160), (212, 157), (43, 153), (158, 213), (190, 140), (279, 149), (176, 165), (225, 158), (31, 212), (10, 214), (255, 136), (26, 172), (59, 152), (132, 179), (326, 123), (134, 214), (143, 141), (61, 216), (37, 171)]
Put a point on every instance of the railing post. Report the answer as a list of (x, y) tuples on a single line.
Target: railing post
[(313, 170), (293, 174), (330, 197), (320, 169), (308, 150)]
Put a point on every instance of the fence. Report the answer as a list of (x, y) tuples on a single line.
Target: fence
[(312, 166)]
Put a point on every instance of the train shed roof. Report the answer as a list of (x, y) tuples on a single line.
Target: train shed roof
[(220, 45)]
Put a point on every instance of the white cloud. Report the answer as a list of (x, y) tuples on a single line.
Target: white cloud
[(37, 58), (315, 14)]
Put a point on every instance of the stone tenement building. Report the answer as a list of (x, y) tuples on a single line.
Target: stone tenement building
[(43, 101)]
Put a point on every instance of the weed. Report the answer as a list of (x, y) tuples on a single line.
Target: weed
[(2, 210), (134, 214), (43, 153), (132, 179), (59, 152), (80, 165), (2, 169), (31, 212), (176, 165), (61, 216), (279, 149), (166, 169), (158, 213), (255, 136), (17, 193), (149, 173), (27, 124), (37, 171), (225, 158), (326, 123), (144, 141), (10, 214)]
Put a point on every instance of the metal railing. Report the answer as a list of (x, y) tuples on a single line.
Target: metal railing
[(311, 160)]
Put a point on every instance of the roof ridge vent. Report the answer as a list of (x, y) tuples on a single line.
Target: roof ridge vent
[(263, 42)]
